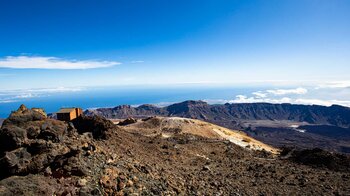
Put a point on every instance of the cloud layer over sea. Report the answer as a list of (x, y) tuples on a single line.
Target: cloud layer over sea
[(52, 99)]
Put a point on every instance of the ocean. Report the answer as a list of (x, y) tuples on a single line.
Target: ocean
[(85, 98), (52, 99)]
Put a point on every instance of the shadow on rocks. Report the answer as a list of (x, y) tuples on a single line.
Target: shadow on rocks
[(98, 126), (317, 158)]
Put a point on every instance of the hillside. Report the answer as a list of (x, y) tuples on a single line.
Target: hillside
[(276, 124), (169, 126), (93, 156)]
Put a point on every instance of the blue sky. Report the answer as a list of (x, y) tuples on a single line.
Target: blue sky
[(64, 43)]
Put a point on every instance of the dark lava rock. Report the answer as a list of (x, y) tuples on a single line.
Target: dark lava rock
[(318, 158), (28, 185), (29, 142), (127, 121), (15, 161), (23, 115), (25, 126), (12, 137), (99, 126)]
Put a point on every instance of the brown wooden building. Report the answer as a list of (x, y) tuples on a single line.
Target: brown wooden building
[(68, 114)]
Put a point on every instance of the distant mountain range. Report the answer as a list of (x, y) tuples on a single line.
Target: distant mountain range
[(276, 124), (314, 114)]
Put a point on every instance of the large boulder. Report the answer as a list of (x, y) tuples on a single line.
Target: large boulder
[(15, 162), (23, 115), (12, 137), (29, 142), (127, 121), (25, 125), (61, 152), (97, 125)]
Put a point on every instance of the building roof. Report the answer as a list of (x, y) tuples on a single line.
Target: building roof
[(65, 110)]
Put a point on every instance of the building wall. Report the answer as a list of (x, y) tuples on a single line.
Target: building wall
[(78, 112), (71, 115), (64, 116)]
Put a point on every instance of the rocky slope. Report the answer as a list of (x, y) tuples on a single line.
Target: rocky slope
[(92, 156), (276, 124), (167, 127)]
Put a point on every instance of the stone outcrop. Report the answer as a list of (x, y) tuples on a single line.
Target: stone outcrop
[(30, 142), (127, 121), (97, 125)]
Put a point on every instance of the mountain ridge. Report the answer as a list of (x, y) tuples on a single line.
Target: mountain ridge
[(315, 114)]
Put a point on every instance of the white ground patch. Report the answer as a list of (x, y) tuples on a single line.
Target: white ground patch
[(236, 140), (295, 128)]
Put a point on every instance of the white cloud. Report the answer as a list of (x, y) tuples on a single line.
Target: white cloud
[(137, 61), (336, 84), (28, 62), (270, 96), (293, 96), (322, 102), (40, 90), (297, 91), (56, 90), (7, 101), (25, 96), (260, 94), (246, 99), (264, 96), (8, 96)]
